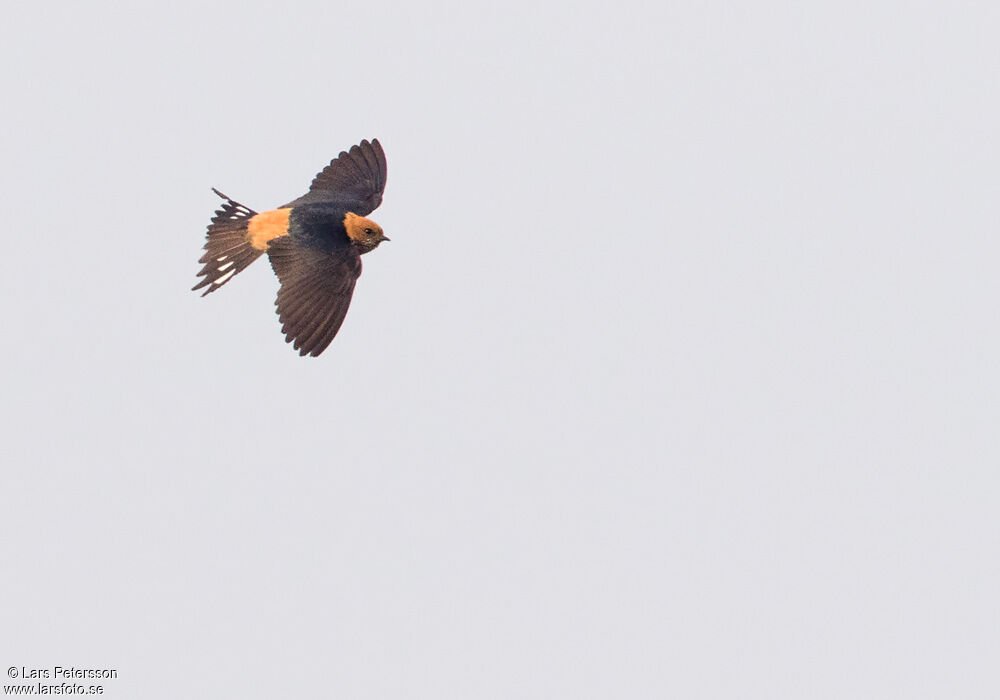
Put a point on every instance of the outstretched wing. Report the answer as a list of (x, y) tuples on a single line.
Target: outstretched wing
[(354, 179), (316, 290)]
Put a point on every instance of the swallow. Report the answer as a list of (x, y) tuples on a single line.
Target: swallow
[(314, 243)]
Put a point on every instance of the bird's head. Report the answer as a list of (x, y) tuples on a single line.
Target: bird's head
[(365, 233)]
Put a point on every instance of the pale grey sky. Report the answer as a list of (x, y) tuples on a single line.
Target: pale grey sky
[(677, 379)]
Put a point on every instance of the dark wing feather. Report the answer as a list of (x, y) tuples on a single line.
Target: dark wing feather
[(316, 290), (354, 179)]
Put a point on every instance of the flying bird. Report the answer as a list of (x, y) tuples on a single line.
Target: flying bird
[(315, 244)]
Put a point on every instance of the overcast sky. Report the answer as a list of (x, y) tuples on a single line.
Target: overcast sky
[(677, 380)]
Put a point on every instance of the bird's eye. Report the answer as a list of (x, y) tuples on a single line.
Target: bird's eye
[(368, 232)]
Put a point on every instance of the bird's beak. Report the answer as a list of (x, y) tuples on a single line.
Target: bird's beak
[(384, 238)]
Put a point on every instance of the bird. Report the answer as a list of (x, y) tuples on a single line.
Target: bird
[(314, 243)]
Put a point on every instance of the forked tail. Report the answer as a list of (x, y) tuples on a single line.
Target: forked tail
[(227, 250)]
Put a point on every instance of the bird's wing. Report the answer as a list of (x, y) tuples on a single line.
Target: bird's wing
[(355, 179), (316, 289)]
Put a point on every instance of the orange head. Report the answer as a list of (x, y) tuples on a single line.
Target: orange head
[(365, 233)]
